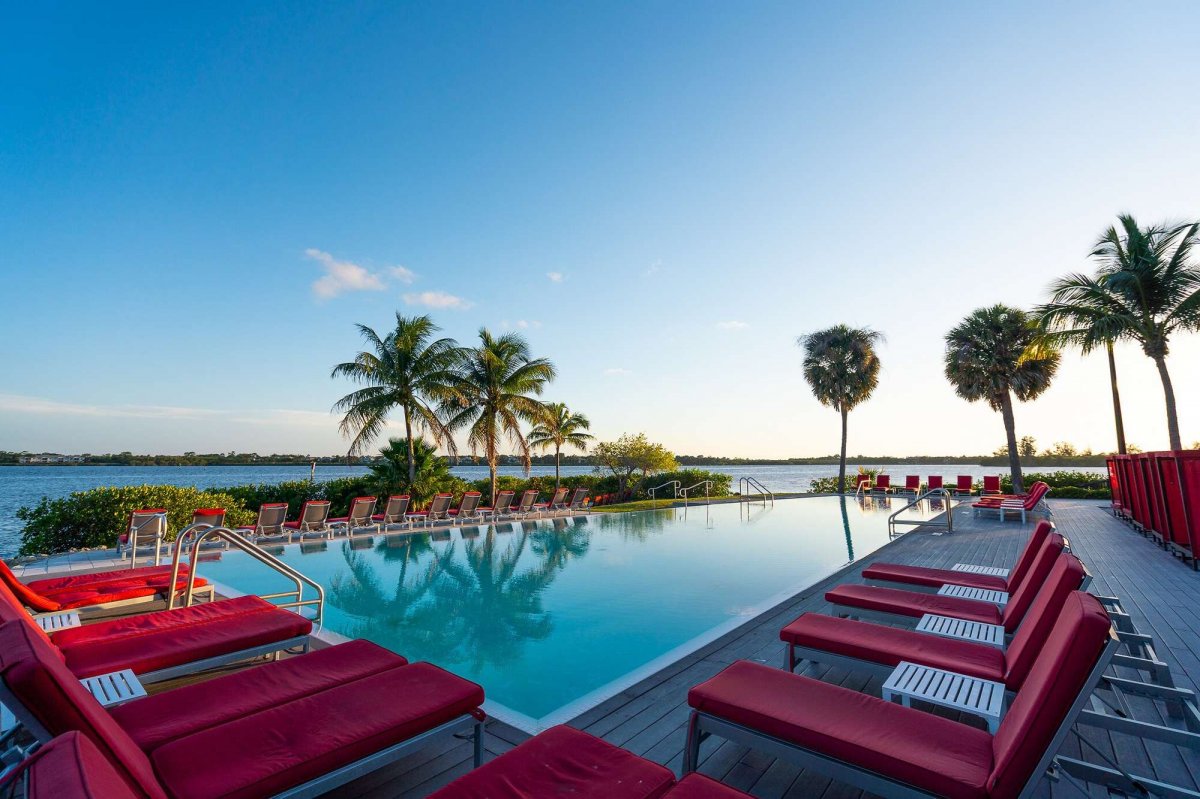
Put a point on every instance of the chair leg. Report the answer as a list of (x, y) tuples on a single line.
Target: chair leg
[(691, 749), (477, 744)]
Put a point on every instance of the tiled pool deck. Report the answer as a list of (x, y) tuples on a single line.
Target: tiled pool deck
[(1161, 594)]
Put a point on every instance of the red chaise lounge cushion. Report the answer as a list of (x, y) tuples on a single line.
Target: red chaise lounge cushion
[(81, 590), (910, 603), (69, 767)]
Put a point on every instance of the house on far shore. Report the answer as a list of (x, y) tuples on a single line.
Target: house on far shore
[(50, 457)]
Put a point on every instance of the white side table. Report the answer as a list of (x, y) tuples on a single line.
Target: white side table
[(53, 622), (978, 594), (115, 687), (971, 568), (975, 631), (945, 688)]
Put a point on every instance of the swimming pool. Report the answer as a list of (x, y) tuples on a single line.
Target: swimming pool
[(555, 615)]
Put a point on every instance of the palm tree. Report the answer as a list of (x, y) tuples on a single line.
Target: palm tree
[(1081, 324), (995, 354), (842, 368), (559, 428), (390, 474), (1145, 290), (495, 389), (404, 369)]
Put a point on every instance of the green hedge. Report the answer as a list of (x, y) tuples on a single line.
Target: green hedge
[(95, 518)]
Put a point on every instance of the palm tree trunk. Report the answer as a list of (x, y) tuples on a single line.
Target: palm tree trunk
[(491, 459), (1112, 378), (1014, 457), (412, 457), (842, 460), (557, 461), (1169, 394)]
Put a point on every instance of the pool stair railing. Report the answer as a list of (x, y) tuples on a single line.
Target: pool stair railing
[(675, 484), (946, 521), (764, 494)]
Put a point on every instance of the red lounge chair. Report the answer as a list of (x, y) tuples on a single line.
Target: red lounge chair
[(314, 518), (359, 516), (165, 644), (883, 482), (438, 510), (919, 578), (578, 501), (499, 507), (311, 722), (468, 507), (991, 484), (934, 482), (564, 762), (878, 649), (1022, 505), (213, 517), (525, 506), (891, 750), (965, 484), (394, 512), (555, 502), (100, 591), (146, 528), (912, 484), (271, 518), (896, 606), (69, 767)]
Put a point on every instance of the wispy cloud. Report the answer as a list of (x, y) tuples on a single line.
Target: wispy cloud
[(556, 277), (653, 269), (617, 371), (733, 324), (438, 299), (520, 324), (402, 274), (341, 276), (41, 406)]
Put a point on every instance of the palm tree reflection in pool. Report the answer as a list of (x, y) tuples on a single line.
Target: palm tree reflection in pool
[(560, 541)]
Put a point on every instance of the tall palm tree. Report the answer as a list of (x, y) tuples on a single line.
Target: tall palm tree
[(405, 369), (1146, 290), (1080, 324), (842, 368), (995, 354), (560, 427), (496, 388)]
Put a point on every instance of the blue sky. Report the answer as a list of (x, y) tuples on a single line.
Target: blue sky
[(198, 202)]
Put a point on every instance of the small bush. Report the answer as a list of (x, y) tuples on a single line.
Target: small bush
[(1066, 484), (95, 518)]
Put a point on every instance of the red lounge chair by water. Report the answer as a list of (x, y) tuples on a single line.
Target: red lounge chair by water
[(499, 508), (468, 507), (393, 513), (98, 592), (565, 762), (883, 482), (1017, 505), (270, 524), (878, 649), (308, 723), (920, 578), (965, 484), (69, 767), (438, 510), (934, 482), (314, 519), (165, 644), (359, 517), (912, 484), (147, 528), (891, 750), (991, 484), (896, 606), (525, 506), (555, 501)]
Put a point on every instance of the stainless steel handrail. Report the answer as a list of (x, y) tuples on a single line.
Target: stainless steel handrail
[(707, 489), (746, 483), (675, 483), (944, 493), (199, 533)]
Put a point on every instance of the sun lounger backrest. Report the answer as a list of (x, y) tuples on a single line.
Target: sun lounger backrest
[(1066, 576), (271, 517), (991, 483), (559, 495), (1036, 493), (361, 509), (503, 501), (1059, 676), (60, 703), (470, 501), (934, 481), (396, 506), (883, 481), (578, 497), (527, 500), (1020, 600), (439, 505), (313, 514), (213, 517), (11, 609), (1041, 531), (24, 593), (69, 766), (965, 482)]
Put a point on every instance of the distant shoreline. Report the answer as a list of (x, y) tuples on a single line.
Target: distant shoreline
[(1058, 463)]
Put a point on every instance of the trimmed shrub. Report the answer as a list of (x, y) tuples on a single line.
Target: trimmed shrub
[(1066, 484), (96, 517)]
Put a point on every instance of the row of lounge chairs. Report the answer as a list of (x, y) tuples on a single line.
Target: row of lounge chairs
[(1045, 650), (1158, 494), (147, 527), (964, 485)]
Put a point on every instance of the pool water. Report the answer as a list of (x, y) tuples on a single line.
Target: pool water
[(555, 615)]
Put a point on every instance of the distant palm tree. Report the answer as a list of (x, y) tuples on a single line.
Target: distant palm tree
[(1146, 290), (390, 474), (496, 391), (560, 427), (842, 368), (404, 370), (995, 354)]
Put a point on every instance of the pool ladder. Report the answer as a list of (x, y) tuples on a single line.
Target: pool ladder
[(947, 522), (744, 486)]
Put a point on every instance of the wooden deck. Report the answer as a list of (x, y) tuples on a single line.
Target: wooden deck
[(1162, 595)]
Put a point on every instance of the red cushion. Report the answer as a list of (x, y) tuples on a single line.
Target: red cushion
[(888, 646), (70, 767), (1037, 539), (290, 744), (1055, 681), (175, 714), (1031, 636), (911, 746), (697, 786), (71, 582), (932, 578), (910, 603), (24, 593), (11, 609), (154, 641), (1021, 599), (563, 762), (60, 703)]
